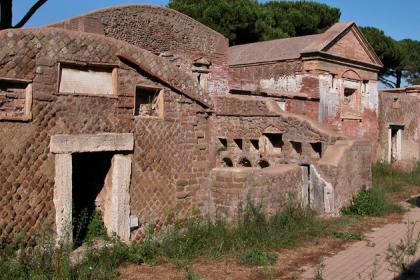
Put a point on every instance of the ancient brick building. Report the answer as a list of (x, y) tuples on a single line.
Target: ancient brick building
[(329, 77), (399, 125), (147, 115)]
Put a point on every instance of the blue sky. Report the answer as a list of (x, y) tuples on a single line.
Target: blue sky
[(399, 19)]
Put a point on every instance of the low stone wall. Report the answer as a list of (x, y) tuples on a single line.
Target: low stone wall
[(347, 167), (232, 188)]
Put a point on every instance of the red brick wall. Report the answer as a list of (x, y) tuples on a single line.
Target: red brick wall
[(170, 161)]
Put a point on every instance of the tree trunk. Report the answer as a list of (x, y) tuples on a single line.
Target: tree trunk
[(5, 14), (398, 75)]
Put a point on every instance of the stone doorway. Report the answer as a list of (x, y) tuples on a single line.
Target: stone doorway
[(91, 183), (92, 172), (395, 142)]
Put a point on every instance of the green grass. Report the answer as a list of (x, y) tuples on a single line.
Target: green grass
[(347, 236), (389, 187), (394, 181), (249, 238), (371, 202), (197, 237), (257, 257)]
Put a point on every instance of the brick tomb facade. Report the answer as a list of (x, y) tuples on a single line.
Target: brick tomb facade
[(143, 118)]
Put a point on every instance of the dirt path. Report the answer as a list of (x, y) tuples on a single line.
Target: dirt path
[(366, 259)]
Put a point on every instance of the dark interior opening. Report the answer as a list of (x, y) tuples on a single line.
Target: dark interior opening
[(146, 101), (223, 143), (394, 142), (244, 162), (276, 139), (297, 146), (263, 163), (227, 162), (317, 148), (255, 143), (89, 173), (238, 143)]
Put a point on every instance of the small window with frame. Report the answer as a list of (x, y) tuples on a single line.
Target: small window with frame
[(148, 102), (15, 99)]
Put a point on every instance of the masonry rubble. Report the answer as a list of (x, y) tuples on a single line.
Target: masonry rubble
[(145, 114)]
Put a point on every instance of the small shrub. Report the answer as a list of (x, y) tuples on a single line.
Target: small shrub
[(347, 236), (102, 264), (257, 257), (192, 276), (371, 202), (96, 227), (401, 256), (146, 251), (319, 271)]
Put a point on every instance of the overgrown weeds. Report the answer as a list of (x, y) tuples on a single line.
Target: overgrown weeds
[(402, 255), (389, 186), (371, 202), (257, 257), (395, 182), (250, 237), (252, 230)]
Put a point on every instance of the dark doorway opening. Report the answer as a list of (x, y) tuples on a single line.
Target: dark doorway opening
[(396, 142), (90, 172)]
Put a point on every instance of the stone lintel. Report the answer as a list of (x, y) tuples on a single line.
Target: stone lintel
[(64, 143)]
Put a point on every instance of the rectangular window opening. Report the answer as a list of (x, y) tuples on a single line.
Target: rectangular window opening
[(395, 143), (348, 96), (148, 102), (15, 100)]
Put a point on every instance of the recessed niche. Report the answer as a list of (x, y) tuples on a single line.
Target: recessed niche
[(274, 142), (148, 102), (255, 144), (263, 163), (15, 100), (227, 162), (297, 147), (238, 143), (244, 162), (222, 144), (317, 148)]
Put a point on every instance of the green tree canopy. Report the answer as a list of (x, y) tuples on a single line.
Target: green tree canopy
[(247, 21), (278, 19), (410, 50), (401, 59)]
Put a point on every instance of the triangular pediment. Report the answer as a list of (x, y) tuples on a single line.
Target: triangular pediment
[(351, 44)]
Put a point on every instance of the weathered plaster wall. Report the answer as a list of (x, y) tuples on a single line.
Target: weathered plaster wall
[(399, 108), (323, 83)]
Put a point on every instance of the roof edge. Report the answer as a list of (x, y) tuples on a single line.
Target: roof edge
[(135, 5)]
